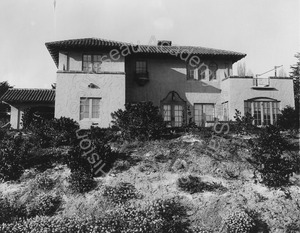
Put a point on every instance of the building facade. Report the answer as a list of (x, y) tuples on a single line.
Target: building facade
[(96, 77)]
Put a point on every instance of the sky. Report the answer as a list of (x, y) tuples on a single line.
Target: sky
[(268, 31)]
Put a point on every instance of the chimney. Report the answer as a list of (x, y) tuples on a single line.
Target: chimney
[(164, 43)]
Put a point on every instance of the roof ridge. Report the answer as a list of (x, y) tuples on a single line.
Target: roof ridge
[(49, 89)]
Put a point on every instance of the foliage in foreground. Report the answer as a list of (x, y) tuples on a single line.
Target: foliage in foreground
[(160, 216), (239, 221), (267, 151), (193, 184), (288, 119), (140, 121)]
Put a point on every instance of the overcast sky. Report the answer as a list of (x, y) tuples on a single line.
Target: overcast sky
[(268, 31)]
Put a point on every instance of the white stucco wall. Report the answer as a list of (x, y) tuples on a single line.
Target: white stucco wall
[(72, 86), (240, 89)]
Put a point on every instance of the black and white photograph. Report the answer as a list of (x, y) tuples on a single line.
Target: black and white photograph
[(149, 116)]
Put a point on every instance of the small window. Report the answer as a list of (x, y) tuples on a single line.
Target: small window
[(191, 73), (89, 108), (91, 63), (141, 67), (213, 67), (227, 70), (202, 72)]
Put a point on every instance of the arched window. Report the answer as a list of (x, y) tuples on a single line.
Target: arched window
[(173, 109), (213, 67), (202, 72), (264, 110)]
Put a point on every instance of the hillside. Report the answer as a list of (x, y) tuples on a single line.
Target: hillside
[(225, 186)]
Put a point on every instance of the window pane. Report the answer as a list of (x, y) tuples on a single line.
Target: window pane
[(141, 67), (84, 108), (167, 112), (202, 72), (213, 71), (95, 108), (178, 114), (203, 113)]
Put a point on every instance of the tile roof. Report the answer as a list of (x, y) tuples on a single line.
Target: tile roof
[(92, 43), (19, 95)]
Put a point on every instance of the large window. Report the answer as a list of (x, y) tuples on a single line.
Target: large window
[(203, 113), (89, 108), (91, 63), (264, 111), (173, 109)]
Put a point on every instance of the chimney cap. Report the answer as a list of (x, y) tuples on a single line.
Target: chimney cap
[(164, 43)]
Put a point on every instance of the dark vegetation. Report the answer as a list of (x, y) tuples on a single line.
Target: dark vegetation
[(46, 142)]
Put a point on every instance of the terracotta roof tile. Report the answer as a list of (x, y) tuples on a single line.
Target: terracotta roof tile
[(92, 43), (18, 95)]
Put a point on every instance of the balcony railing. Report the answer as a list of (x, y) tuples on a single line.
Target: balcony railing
[(261, 82)]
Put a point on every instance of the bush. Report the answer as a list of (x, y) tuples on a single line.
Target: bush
[(120, 193), (9, 211), (167, 215), (13, 157), (97, 159), (81, 182), (267, 151), (244, 124), (288, 119), (140, 121), (239, 221), (193, 184), (44, 182), (43, 204)]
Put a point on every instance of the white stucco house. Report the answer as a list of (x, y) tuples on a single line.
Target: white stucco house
[(96, 77)]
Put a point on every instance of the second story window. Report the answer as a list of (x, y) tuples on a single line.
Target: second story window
[(191, 73), (91, 63), (141, 67), (213, 67)]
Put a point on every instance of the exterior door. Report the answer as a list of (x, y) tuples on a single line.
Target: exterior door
[(173, 109), (173, 114)]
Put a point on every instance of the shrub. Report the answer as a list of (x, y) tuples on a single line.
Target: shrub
[(81, 182), (120, 193), (96, 155), (139, 121), (193, 184), (167, 215), (44, 181), (267, 151), (173, 214), (13, 157), (43, 204), (239, 221), (288, 119), (244, 124), (6, 210), (56, 224)]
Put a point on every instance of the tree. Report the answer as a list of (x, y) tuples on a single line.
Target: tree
[(241, 69), (4, 108), (282, 73), (295, 74)]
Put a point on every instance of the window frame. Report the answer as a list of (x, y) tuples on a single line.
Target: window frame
[(90, 108), (201, 121), (145, 67), (92, 62), (264, 110), (213, 72)]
